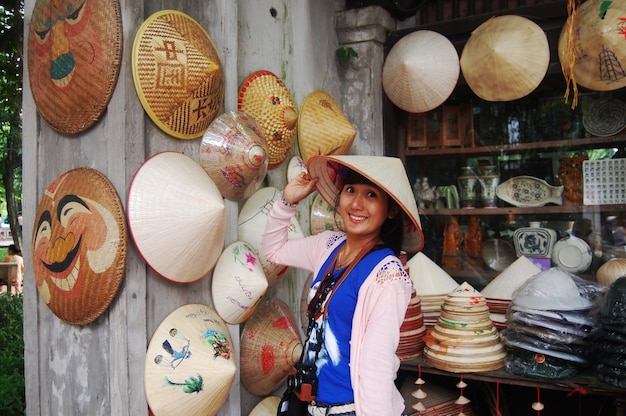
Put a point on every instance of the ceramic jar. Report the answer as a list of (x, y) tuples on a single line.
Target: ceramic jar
[(468, 186), (489, 181)]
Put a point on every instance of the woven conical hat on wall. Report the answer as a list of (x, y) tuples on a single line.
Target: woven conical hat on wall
[(238, 283), (270, 345), (234, 154), (323, 128), (79, 245), (190, 363), (323, 216), (600, 45), (265, 97), (266, 407), (421, 71), (505, 58), (178, 74), (74, 58), (251, 226), (176, 216)]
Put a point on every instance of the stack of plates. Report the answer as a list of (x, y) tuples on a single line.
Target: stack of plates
[(549, 327), (464, 338), (610, 346), (412, 331), (499, 292), (432, 285)]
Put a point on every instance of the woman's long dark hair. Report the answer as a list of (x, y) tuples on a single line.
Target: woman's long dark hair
[(392, 229)]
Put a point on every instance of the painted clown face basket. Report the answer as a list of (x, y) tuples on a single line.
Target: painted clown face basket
[(74, 56), (79, 245)]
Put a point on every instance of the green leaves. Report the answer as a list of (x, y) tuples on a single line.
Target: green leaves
[(12, 391)]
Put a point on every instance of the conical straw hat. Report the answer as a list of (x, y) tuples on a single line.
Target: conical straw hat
[(600, 48), (251, 226), (178, 74), (79, 245), (323, 128), (270, 345), (295, 167), (73, 72), (238, 282), (176, 216), (266, 407), (190, 363), (265, 97), (514, 276), (323, 216), (386, 172), (234, 154), (428, 278), (421, 71), (505, 58)]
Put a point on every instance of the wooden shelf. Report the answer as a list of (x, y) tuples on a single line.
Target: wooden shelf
[(550, 209), (586, 380), (572, 144)]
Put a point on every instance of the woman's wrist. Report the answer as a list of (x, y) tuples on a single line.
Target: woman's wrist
[(287, 203)]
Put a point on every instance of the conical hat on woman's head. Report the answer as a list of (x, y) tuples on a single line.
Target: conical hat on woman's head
[(421, 71), (178, 74), (387, 173), (323, 128), (234, 154), (190, 363), (265, 97), (176, 216), (505, 58)]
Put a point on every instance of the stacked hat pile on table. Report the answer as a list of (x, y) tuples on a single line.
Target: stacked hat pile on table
[(412, 330), (432, 285), (610, 345), (549, 326), (499, 292), (464, 338)]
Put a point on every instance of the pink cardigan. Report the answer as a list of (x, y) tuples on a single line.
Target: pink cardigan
[(380, 310)]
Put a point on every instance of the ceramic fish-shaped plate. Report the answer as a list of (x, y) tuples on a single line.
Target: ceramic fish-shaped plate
[(528, 191)]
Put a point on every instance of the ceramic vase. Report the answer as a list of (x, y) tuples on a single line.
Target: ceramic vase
[(489, 181), (468, 186)]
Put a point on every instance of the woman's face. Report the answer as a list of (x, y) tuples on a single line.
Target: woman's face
[(363, 209)]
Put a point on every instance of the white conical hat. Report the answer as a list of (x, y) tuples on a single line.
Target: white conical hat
[(234, 154), (428, 278), (387, 173), (266, 407), (421, 71), (505, 58), (515, 275), (238, 283), (190, 363), (176, 216), (251, 226), (295, 167)]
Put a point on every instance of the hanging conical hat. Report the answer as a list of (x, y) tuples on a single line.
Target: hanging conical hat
[(234, 154), (190, 363), (514, 276), (74, 58), (178, 74), (387, 173), (323, 128), (266, 407), (421, 71), (600, 45), (428, 278), (79, 245), (238, 283), (176, 216), (323, 216), (505, 58), (251, 226), (265, 97), (270, 345), (295, 167)]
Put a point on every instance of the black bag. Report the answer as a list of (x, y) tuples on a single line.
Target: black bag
[(291, 405)]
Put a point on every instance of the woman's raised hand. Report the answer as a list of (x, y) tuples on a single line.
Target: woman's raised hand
[(299, 188)]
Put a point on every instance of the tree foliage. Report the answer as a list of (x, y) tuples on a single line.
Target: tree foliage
[(11, 67)]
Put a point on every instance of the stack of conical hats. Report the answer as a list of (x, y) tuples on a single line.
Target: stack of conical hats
[(499, 292), (464, 338), (432, 285), (610, 348), (412, 330)]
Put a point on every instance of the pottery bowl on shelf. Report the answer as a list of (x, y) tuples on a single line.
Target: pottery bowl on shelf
[(497, 254)]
